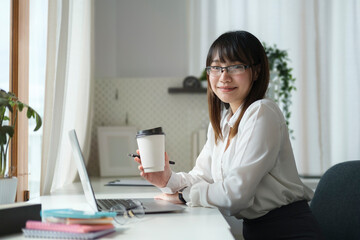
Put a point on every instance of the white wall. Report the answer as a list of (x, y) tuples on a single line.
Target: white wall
[(140, 38), (147, 104), (141, 49)]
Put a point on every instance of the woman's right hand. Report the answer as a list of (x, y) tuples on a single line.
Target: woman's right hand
[(159, 179)]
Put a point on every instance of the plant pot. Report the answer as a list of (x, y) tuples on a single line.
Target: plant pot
[(8, 190), (204, 84)]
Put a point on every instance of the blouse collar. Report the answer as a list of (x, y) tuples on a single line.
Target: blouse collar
[(230, 118)]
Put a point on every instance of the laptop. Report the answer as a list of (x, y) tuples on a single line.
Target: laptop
[(150, 205)]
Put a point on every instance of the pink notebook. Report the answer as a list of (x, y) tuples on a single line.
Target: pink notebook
[(74, 228)]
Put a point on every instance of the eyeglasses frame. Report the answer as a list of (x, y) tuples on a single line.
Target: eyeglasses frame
[(208, 68)]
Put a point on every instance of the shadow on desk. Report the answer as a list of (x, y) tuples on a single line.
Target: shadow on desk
[(236, 226), (117, 234)]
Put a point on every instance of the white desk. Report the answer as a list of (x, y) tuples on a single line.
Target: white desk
[(192, 223)]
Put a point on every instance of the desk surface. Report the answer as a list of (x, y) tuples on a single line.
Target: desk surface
[(192, 223)]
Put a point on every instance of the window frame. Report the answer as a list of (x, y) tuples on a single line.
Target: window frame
[(19, 85)]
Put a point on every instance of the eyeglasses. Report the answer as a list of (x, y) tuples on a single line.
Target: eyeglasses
[(216, 71)]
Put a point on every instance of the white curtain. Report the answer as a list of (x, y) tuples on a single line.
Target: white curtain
[(67, 90), (322, 38)]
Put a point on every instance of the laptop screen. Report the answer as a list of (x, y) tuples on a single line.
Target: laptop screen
[(80, 164)]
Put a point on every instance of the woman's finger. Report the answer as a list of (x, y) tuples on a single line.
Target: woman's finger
[(138, 160), (167, 160)]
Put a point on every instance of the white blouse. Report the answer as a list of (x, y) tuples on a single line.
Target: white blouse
[(254, 175)]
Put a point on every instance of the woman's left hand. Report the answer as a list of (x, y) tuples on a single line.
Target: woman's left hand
[(174, 198)]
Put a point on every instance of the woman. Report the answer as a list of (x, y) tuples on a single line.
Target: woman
[(247, 167)]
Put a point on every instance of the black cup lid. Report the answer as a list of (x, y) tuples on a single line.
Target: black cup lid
[(147, 132)]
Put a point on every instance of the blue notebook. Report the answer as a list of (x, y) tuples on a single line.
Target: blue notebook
[(71, 213)]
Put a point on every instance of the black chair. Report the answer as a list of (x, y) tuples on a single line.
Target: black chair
[(336, 203)]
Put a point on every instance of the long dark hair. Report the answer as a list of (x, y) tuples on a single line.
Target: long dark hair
[(244, 47)]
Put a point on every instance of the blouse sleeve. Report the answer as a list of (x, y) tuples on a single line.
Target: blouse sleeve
[(256, 151), (200, 173)]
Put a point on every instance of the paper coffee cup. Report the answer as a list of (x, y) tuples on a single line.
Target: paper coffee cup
[(151, 143)]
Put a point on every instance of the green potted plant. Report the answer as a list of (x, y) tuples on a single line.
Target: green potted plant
[(203, 79), (10, 103), (282, 83)]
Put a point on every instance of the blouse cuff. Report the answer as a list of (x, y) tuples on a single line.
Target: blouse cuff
[(171, 186), (186, 194)]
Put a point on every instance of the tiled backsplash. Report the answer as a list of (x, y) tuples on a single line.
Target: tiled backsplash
[(146, 103)]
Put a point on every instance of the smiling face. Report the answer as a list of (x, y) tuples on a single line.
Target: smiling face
[(230, 88), (241, 86)]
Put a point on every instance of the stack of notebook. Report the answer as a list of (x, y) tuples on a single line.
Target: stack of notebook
[(70, 224)]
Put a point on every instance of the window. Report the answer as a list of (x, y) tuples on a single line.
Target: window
[(4, 44), (37, 64), (23, 26)]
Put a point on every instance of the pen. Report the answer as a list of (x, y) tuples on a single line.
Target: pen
[(136, 155)]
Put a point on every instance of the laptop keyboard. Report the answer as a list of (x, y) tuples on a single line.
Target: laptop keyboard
[(106, 204)]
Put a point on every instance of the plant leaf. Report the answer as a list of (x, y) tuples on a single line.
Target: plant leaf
[(4, 102), (6, 130), (30, 113), (20, 105), (2, 138), (38, 122)]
